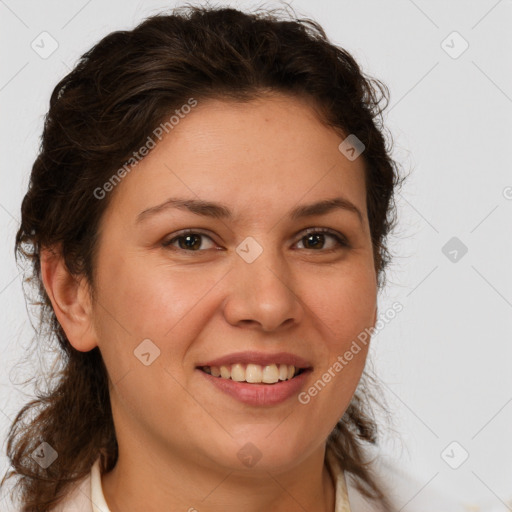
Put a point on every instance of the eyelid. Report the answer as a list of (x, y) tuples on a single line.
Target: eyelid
[(184, 232), (340, 237)]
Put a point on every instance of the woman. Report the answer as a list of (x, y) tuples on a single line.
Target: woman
[(206, 224)]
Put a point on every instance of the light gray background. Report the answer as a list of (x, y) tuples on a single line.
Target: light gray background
[(445, 360)]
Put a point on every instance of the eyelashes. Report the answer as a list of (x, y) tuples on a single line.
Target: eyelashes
[(192, 240), (188, 235), (340, 239)]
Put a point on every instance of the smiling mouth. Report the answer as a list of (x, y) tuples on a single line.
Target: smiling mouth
[(254, 373)]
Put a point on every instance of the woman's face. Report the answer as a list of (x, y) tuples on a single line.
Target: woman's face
[(253, 280)]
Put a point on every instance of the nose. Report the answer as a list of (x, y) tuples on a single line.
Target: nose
[(262, 294)]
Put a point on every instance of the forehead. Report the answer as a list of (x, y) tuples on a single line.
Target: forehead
[(260, 155)]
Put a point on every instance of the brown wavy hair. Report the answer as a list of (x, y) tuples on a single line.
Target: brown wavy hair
[(100, 113)]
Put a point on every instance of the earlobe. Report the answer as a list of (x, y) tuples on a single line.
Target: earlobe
[(70, 300)]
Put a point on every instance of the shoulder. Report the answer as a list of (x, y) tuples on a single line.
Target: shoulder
[(403, 490), (78, 498)]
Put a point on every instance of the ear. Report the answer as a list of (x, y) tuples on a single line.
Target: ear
[(70, 299)]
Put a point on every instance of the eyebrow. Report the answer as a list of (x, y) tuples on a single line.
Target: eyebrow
[(221, 211)]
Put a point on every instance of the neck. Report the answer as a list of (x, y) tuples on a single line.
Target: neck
[(142, 481)]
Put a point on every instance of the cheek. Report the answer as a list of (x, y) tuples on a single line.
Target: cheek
[(344, 304), (165, 304), (344, 310), (152, 299), (169, 307)]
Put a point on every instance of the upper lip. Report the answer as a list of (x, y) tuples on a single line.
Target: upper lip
[(260, 358)]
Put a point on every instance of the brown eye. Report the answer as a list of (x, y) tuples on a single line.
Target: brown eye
[(314, 241), (317, 239), (189, 241)]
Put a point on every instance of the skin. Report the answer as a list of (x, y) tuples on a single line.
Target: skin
[(179, 436)]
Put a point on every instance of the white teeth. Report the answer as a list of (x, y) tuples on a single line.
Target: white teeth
[(283, 372), (271, 374), (253, 373), (237, 372)]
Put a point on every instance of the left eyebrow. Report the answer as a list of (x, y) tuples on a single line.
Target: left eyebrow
[(221, 211), (324, 207)]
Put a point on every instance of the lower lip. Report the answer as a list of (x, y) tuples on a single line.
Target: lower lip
[(259, 394)]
